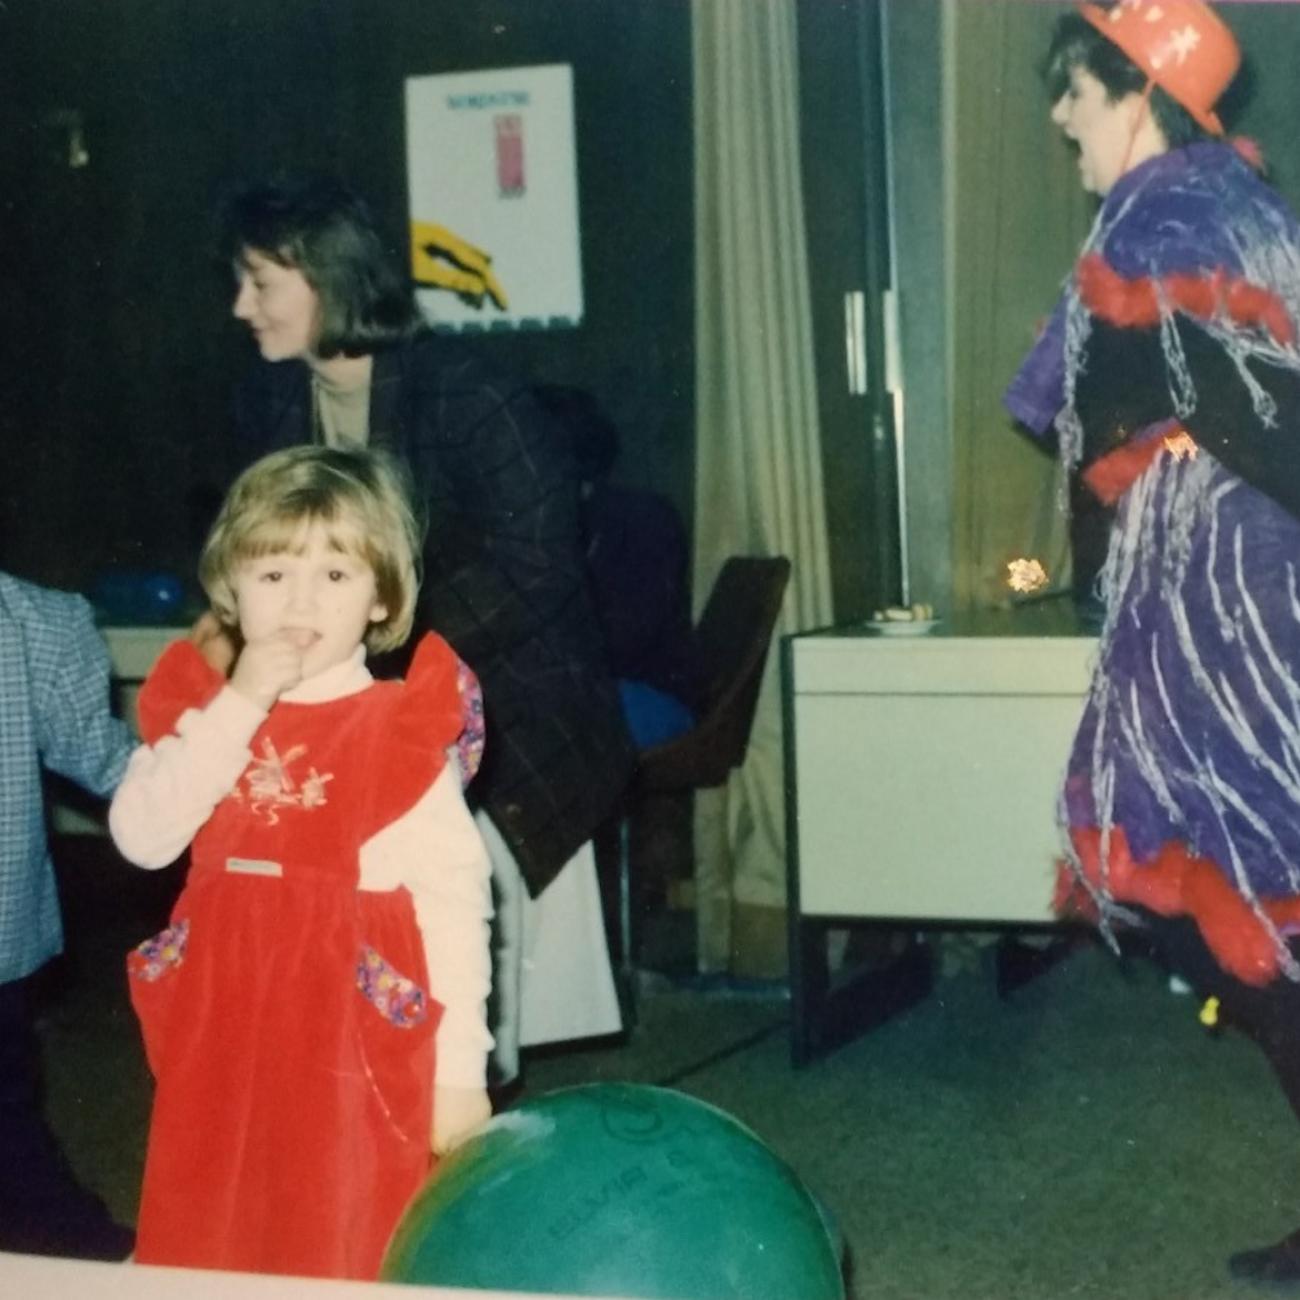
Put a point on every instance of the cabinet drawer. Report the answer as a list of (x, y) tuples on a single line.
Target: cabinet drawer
[(938, 665), (930, 806)]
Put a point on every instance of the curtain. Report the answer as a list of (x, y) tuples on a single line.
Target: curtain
[(758, 459), (1016, 219)]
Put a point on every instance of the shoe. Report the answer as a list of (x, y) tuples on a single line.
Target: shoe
[(44, 1210), (1277, 1263), (79, 1229)]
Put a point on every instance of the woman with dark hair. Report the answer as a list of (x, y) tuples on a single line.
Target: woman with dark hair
[(346, 358), (1170, 372), (324, 231)]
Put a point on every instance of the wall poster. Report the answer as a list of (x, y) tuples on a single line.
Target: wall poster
[(492, 182)]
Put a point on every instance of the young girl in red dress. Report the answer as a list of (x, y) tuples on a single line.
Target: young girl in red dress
[(314, 1015)]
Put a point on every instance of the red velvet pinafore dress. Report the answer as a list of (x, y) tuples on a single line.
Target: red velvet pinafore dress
[(283, 1011)]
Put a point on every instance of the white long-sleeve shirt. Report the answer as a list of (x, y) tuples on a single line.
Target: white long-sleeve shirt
[(171, 789)]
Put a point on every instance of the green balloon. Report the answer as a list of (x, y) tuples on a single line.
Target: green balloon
[(618, 1190)]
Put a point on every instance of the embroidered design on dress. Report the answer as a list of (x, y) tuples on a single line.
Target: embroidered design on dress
[(398, 999), (152, 959), (271, 786)]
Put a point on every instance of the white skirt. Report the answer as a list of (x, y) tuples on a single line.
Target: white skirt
[(554, 982)]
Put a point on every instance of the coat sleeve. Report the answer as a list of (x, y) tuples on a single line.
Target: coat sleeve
[(504, 535), (76, 732), (270, 409)]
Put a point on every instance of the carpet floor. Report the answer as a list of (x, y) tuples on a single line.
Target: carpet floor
[(1085, 1136)]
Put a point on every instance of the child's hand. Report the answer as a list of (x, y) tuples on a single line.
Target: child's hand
[(267, 668), (458, 1113)]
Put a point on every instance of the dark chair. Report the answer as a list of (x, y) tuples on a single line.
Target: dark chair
[(731, 641)]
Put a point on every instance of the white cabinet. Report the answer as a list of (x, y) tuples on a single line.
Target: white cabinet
[(134, 650), (923, 774)]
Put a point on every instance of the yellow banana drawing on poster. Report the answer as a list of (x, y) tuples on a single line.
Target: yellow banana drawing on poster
[(441, 259)]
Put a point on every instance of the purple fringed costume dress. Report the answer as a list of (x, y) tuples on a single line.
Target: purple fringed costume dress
[(1182, 792)]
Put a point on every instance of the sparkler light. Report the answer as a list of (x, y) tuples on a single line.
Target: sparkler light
[(1026, 575)]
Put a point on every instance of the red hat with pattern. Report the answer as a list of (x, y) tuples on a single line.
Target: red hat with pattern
[(1183, 46)]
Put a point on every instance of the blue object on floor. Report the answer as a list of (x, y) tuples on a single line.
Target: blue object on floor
[(618, 1190)]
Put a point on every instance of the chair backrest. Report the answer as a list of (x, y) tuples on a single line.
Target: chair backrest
[(732, 640)]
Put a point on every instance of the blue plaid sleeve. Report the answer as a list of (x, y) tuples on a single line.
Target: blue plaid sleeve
[(76, 732), (54, 712)]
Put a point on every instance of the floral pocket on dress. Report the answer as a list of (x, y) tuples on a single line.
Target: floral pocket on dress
[(399, 1000), (152, 959), (469, 744)]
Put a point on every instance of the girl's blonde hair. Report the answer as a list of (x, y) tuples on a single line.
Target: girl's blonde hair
[(361, 496)]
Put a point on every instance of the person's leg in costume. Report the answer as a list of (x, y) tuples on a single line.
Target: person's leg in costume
[(1271, 1017)]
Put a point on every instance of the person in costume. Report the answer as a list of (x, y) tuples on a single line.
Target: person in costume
[(314, 1014), (346, 358), (1171, 374)]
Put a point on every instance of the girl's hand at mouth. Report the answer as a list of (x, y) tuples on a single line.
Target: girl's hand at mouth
[(269, 667)]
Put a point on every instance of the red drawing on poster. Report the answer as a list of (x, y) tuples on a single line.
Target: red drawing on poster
[(510, 154)]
